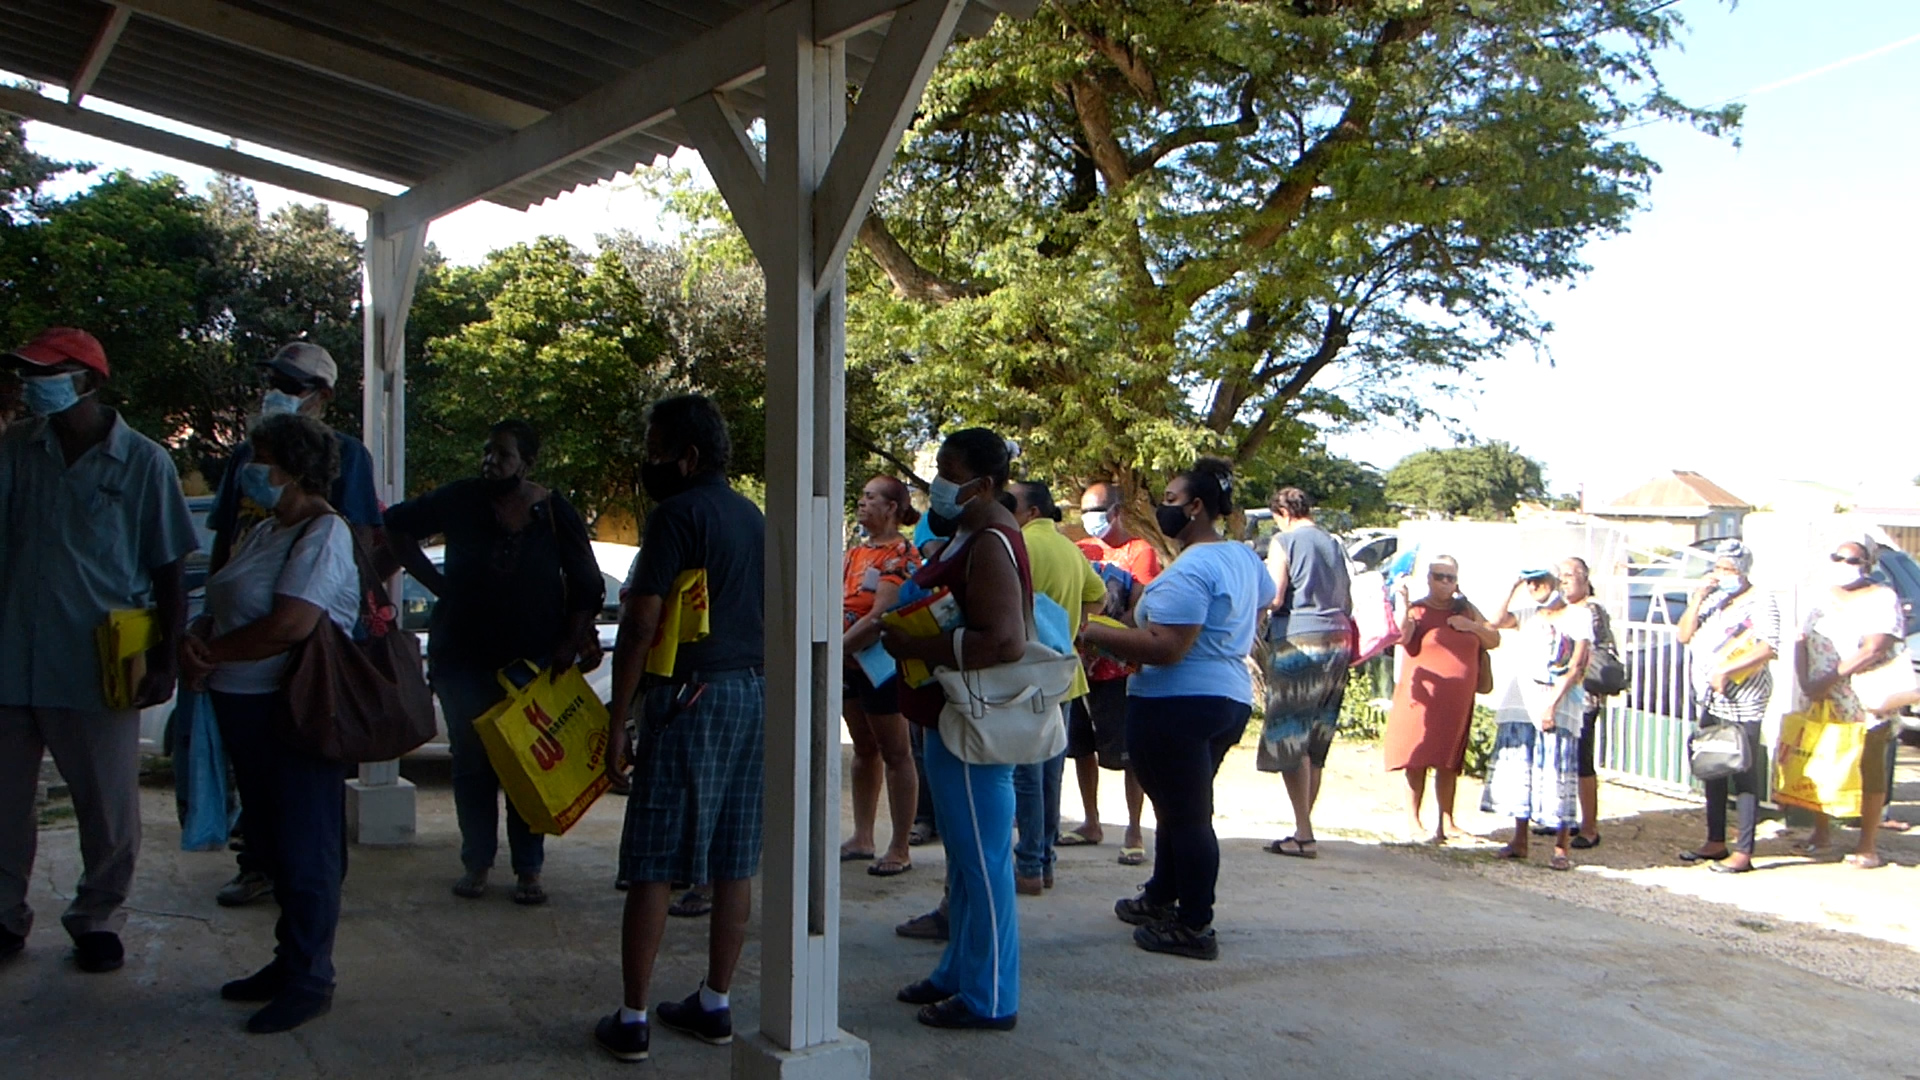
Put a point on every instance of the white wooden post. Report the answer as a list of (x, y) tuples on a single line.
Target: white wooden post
[(380, 803), (799, 208)]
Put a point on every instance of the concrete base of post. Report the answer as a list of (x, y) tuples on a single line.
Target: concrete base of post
[(755, 1057), (380, 815)]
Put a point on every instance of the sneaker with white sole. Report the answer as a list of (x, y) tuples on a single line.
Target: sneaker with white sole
[(686, 1016), (626, 1042)]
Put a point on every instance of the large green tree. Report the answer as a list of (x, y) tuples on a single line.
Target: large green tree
[(1482, 480), (1126, 231), (579, 345)]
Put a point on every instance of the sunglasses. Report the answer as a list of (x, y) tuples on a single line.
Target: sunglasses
[(1444, 577), (1850, 560), (287, 384)]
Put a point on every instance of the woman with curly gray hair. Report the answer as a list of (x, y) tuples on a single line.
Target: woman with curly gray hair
[(286, 574)]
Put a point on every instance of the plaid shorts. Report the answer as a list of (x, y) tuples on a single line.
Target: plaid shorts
[(699, 797)]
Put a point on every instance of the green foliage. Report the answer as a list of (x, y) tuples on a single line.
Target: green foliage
[(21, 171), (1480, 480), (579, 346), (186, 293), (1480, 738), (1350, 491), (1128, 231)]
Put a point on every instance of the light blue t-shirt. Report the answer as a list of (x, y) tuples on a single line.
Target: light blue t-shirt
[(1221, 587)]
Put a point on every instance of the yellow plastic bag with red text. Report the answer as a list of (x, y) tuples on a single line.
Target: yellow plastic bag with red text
[(548, 744), (1818, 763)]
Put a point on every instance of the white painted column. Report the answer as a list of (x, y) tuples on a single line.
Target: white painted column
[(805, 473), (380, 803)]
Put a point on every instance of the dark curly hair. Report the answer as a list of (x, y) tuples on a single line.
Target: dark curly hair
[(304, 448), (983, 452), (692, 420), (1211, 481)]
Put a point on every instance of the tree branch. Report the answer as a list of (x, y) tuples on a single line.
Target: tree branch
[(1333, 339), (1090, 104), (859, 439), (911, 281), (1246, 124), (1131, 67)]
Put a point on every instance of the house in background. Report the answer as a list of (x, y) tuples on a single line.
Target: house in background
[(1675, 510)]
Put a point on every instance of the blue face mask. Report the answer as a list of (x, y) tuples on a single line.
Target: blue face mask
[(277, 402), (943, 498), (48, 395), (1731, 585), (256, 484)]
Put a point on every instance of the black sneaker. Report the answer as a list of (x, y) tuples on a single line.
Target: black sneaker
[(626, 1042), (98, 951), (262, 985), (929, 927), (954, 1015), (1139, 911), (686, 1016), (1179, 939), (923, 993), (11, 944), (246, 887), (289, 1009)]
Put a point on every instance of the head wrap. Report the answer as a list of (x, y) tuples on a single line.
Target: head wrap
[(1735, 552)]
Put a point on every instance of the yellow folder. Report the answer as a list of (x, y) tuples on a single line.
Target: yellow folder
[(123, 640), (684, 619)]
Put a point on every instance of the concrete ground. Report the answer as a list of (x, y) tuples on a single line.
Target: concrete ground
[(1373, 961)]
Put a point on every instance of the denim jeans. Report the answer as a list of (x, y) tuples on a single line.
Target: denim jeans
[(1036, 801), (297, 817), (464, 695)]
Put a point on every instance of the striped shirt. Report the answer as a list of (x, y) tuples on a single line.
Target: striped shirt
[(1748, 616)]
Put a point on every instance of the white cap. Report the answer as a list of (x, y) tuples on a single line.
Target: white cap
[(305, 360)]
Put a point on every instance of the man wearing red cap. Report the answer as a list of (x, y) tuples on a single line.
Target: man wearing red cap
[(92, 521)]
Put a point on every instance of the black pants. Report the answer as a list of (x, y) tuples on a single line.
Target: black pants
[(1176, 745), (923, 812), (296, 828), (1745, 787)]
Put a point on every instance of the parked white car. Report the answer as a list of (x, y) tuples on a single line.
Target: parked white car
[(416, 607)]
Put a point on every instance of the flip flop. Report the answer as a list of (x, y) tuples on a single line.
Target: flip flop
[(1691, 856), (1506, 852), (922, 834), (1075, 839), (1581, 843), (889, 868), (1559, 862), (528, 893), (692, 904), (1807, 847), (1132, 856), (855, 856), (1300, 849), (1865, 862)]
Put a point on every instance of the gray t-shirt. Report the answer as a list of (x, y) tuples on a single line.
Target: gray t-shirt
[(1319, 597)]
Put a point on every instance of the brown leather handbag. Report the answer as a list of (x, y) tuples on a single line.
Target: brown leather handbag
[(360, 696)]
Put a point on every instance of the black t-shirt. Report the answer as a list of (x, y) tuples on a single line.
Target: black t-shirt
[(508, 595), (712, 526)]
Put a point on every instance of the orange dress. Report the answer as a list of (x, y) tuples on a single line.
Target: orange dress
[(1433, 703)]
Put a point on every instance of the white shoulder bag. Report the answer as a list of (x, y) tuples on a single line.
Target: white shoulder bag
[(1008, 714)]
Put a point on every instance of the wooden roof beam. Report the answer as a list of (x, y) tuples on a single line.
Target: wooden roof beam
[(318, 52), (206, 155), (97, 53)]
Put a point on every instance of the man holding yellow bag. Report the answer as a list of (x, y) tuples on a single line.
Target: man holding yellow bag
[(697, 804)]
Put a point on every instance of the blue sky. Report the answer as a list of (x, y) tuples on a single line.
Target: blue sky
[(1755, 324)]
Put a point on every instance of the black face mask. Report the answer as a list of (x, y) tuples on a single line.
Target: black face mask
[(663, 480), (941, 526), (497, 486), (1171, 519)]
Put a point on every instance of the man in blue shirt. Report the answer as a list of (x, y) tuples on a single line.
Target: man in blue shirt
[(92, 521), (300, 378)]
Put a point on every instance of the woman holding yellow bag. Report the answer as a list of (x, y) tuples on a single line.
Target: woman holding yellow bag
[(1854, 628)]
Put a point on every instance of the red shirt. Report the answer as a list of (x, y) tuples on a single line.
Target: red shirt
[(1136, 556)]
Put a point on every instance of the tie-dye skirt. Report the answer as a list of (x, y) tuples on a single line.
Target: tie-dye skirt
[(1534, 774), (1306, 685)]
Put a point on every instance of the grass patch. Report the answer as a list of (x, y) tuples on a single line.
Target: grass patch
[(1754, 925)]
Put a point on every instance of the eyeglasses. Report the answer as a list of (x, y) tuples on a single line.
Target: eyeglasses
[(1850, 560), (1443, 577)]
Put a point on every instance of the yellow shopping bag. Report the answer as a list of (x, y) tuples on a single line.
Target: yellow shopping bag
[(683, 619), (1818, 764), (548, 744)]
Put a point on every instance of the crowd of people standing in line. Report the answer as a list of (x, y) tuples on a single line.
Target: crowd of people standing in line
[(95, 522)]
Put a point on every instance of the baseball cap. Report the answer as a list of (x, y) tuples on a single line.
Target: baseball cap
[(306, 361), (59, 344)]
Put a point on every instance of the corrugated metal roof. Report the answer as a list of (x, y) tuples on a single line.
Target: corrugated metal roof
[(527, 56)]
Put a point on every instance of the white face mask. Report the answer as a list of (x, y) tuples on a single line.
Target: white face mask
[(1554, 599), (276, 402), (1842, 575), (1096, 522)]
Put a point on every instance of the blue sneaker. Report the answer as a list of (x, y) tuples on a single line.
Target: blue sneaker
[(686, 1016), (626, 1042)]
